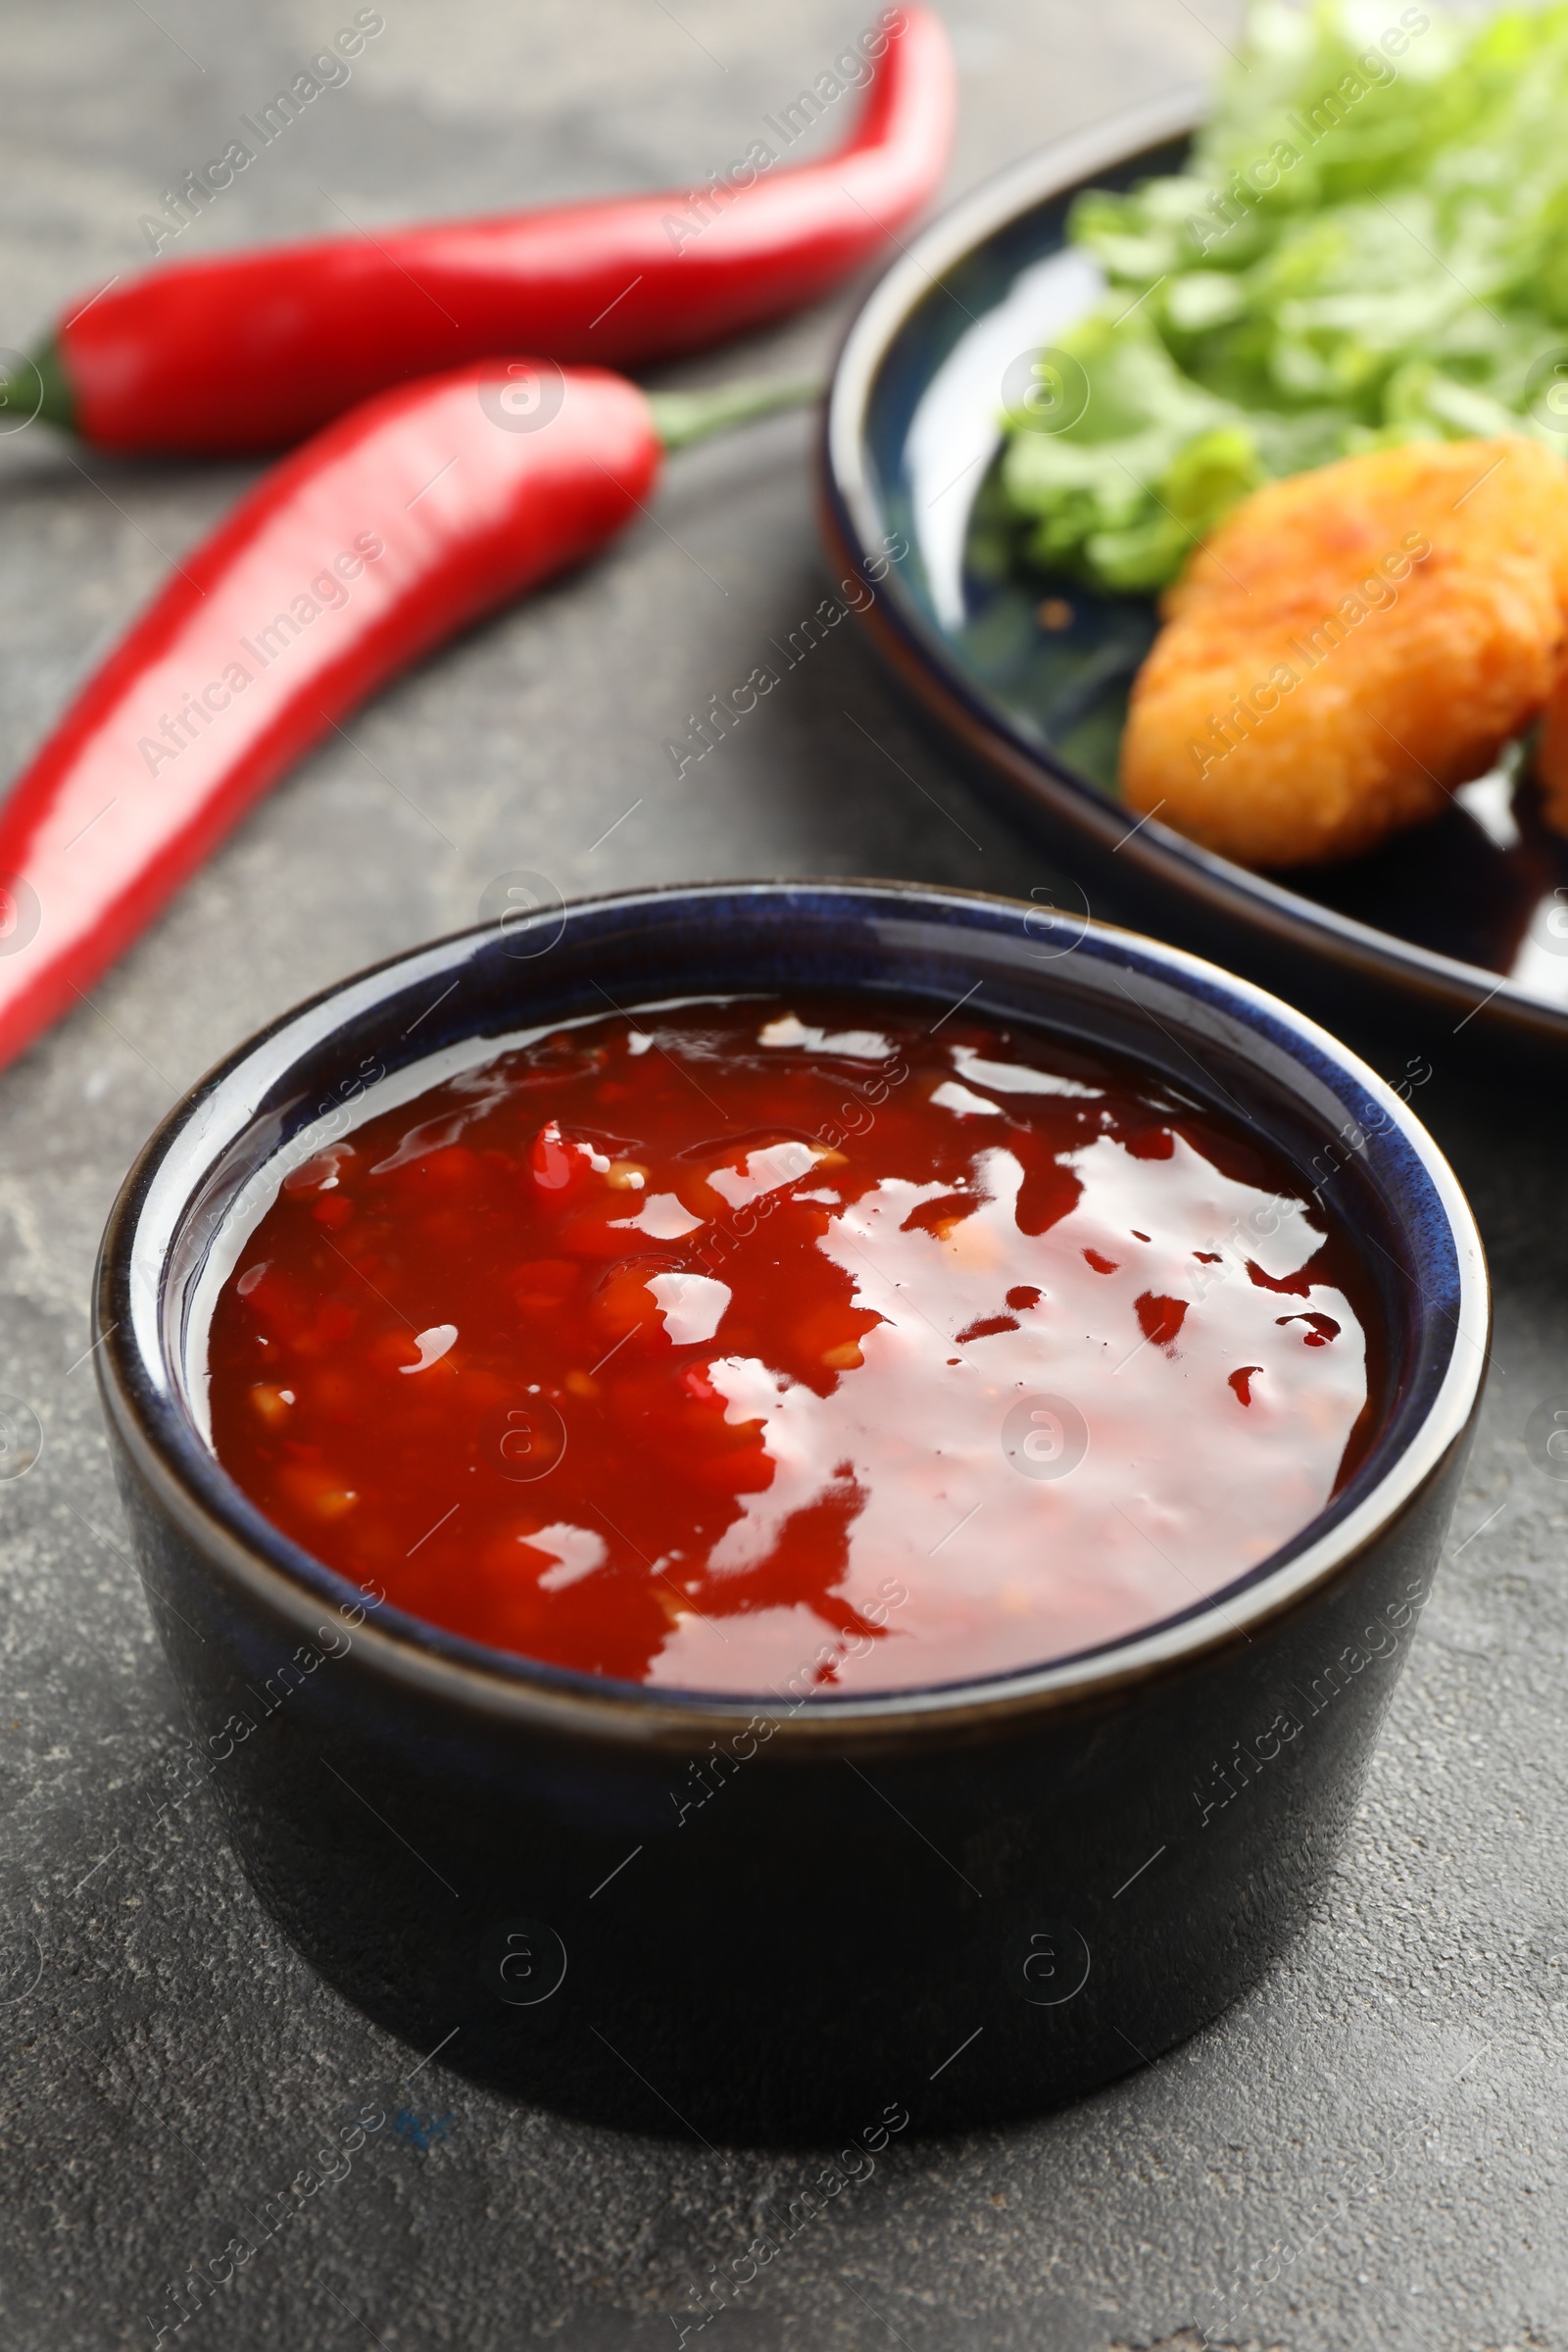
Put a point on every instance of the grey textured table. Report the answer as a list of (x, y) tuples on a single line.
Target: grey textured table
[(1367, 2151)]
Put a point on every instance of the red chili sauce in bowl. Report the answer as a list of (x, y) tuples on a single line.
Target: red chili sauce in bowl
[(749, 1347)]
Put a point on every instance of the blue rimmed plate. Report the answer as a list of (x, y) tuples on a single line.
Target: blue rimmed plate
[(1464, 920)]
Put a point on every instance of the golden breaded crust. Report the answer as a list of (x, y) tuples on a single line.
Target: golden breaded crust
[(1348, 645)]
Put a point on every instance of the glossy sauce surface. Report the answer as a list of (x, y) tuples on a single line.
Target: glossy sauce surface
[(805, 1348)]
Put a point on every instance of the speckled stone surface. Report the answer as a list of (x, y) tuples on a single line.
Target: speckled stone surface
[(1368, 2151)]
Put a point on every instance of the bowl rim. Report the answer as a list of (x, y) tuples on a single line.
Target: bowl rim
[(852, 522), (143, 1399)]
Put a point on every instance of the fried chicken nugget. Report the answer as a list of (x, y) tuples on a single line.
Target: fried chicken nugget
[(1348, 645)]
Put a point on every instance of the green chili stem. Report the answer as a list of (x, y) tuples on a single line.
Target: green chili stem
[(682, 417), (37, 388)]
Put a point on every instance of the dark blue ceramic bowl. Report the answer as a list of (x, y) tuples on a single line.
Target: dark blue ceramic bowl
[(1459, 922), (944, 1903)]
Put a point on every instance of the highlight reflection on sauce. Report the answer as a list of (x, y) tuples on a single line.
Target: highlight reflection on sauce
[(753, 1348)]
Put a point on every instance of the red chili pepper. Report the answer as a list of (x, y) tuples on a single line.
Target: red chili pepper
[(391, 530), (250, 351)]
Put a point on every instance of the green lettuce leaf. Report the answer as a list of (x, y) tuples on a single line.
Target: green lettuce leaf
[(1369, 245)]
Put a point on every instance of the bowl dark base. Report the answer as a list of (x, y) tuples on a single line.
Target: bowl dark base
[(829, 1920), (819, 1950)]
